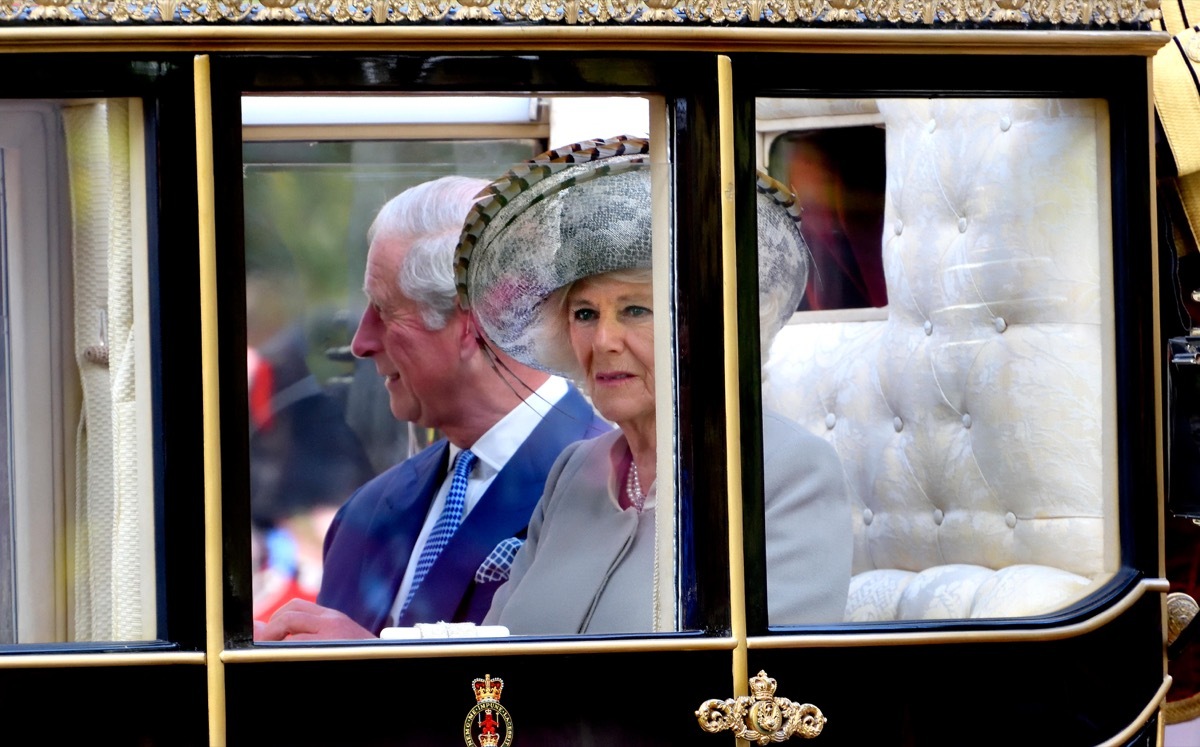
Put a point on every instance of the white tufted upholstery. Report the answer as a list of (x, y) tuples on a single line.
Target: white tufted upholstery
[(973, 423)]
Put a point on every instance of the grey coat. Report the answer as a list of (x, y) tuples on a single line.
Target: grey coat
[(588, 566)]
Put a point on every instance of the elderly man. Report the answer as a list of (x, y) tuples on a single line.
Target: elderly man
[(430, 539)]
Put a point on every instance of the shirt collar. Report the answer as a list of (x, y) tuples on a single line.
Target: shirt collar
[(495, 447)]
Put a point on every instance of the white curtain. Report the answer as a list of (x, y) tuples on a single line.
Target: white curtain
[(110, 523)]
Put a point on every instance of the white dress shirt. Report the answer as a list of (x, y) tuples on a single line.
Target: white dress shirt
[(494, 448)]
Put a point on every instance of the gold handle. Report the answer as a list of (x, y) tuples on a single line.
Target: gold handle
[(1182, 627), (761, 717), (1181, 610)]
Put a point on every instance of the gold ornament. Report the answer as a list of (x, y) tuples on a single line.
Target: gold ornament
[(761, 717)]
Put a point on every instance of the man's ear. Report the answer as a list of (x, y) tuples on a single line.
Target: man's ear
[(470, 339)]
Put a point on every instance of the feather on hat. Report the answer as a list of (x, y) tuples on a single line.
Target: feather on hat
[(581, 210)]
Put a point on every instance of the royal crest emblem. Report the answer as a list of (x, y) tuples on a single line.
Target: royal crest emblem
[(488, 724)]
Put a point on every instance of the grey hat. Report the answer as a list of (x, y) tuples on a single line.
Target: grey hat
[(583, 210)]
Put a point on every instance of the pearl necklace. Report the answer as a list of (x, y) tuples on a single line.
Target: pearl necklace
[(633, 487)]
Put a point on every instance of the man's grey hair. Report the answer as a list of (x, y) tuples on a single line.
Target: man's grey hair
[(429, 218)]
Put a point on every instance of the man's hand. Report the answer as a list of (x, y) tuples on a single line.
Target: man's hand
[(300, 620)]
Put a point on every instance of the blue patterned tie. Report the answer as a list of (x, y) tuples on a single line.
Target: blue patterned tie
[(446, 524)]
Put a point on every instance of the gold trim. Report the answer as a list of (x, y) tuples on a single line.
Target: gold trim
[(314, 38), (1184, 709), (261, 654), (801, 640), (274, 133), (733, 408), (923, 638), (213, 587), (1156, 325), (1093, 14), (73, 660), (1127, 733)]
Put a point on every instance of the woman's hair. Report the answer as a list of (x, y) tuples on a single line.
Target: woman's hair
[(430, 218)]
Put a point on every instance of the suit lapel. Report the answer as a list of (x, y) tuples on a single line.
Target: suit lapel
[(502, 512), (399, 521)]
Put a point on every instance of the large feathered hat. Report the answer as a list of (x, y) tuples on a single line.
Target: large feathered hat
[(582, 210)]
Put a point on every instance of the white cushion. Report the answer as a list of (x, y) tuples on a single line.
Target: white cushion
[(962, 591)]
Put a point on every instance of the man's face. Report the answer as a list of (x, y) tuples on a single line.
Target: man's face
[(418, 365)]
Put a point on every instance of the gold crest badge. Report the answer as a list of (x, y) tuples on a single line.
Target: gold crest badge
[(488, 723)]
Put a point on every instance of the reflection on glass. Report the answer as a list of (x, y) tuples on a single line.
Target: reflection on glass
[(969, 416), (8, 608), (320, 421), (837, 174), (462, 429), (808, 538), (304, 459), (560, 277)]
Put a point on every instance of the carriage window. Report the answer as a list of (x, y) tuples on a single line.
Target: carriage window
[(77, 492), (970, 419), (320, 420), (371, 394), (830, 154)]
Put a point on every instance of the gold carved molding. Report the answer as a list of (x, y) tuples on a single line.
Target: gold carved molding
[(1017, 14), (760, 716)]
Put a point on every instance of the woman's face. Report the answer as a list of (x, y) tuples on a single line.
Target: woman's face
[(611, 325)]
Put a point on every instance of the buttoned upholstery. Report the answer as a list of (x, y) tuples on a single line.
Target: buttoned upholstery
[(973, 422)]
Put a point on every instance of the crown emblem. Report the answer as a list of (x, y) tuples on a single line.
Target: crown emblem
[(762, 687), (487, 688), (489, 723)]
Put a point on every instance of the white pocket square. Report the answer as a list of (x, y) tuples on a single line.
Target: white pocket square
[(496, 565)]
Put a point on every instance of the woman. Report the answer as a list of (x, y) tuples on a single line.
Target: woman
[(555, 264)]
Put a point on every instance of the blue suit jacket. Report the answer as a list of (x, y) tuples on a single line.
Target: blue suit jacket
[(369, 544)]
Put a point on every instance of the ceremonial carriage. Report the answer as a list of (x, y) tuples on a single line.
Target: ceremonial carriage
[(985, 346)]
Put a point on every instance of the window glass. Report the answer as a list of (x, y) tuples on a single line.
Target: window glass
[(969, 418), (7, 607), (831, 155), (78, 526), (345, 385), (320, 421)]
